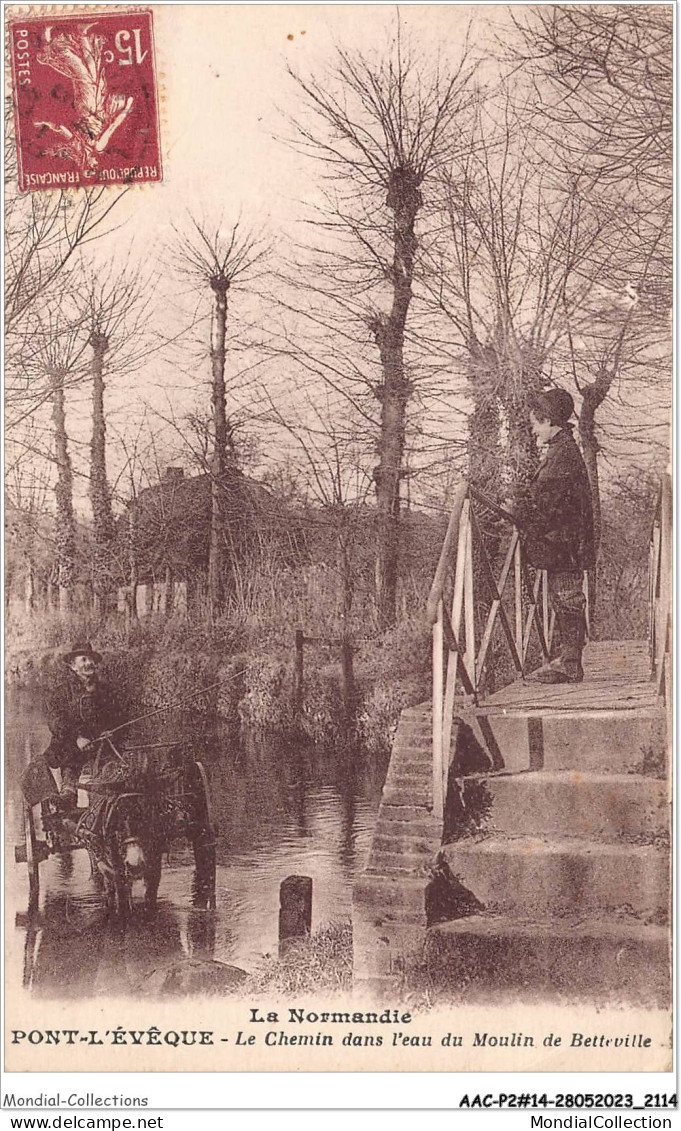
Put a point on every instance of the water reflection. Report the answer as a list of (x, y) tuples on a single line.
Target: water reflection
[(280, 809)]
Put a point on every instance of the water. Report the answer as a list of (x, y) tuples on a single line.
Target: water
[(280, 810)]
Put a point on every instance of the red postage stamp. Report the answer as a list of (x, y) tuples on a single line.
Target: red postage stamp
[(85, 99)]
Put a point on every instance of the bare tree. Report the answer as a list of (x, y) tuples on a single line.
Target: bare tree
[(334, 473), (622, 355), (28, 534), (603, 81), (113, 311), (43, 343), (59, 352), (44, 232), (141, 456), (552, 270), (383, 126), (218, 258), (519, 256)]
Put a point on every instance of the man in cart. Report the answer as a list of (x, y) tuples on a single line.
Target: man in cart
[(80, 708), (138, 797)]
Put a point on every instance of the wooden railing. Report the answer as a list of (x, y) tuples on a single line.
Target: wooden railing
[(516, 600), (660, 589)]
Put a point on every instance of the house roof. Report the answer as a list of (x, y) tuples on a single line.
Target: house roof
[(171, 520)]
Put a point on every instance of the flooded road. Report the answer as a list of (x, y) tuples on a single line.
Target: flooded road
[(280, 809)]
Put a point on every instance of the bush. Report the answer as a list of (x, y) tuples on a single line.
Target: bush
[(622, 573), (392, 672)]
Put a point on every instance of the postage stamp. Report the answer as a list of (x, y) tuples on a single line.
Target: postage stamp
[(85, 99)]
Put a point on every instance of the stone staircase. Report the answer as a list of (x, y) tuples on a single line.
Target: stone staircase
[(555, 880), (389, 902)]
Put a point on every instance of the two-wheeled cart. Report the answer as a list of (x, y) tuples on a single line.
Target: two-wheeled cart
[(148, 796)]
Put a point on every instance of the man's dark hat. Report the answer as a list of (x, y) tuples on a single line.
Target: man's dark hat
[(555, 405), (84, 649)]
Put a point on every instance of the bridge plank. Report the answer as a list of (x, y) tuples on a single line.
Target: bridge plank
[(616, 677)]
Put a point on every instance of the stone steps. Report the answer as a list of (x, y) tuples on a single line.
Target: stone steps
[(399, 864), (556, 880), (619, 742), (612, 960), (601, 807), (388, 898), (423, 830), (408, 793), (411, 820), (400, 843), (418, 764), (408, 774), (529, 877)]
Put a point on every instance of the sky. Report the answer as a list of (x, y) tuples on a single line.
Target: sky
[(226, 102), (227, 95)]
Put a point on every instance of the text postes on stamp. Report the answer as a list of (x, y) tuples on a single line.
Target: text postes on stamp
[(85, 99)]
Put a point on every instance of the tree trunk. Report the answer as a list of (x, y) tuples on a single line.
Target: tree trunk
[(63, 493), (168, 593), (52, 580), (9, 583), (346, 575), (404, 200), (592, 398), (217, 547), (484, 441), (100, 497), (133, 568), (522, 379), (485, 466)]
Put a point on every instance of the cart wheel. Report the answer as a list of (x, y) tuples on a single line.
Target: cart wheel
[(33, 858), (204, 845)]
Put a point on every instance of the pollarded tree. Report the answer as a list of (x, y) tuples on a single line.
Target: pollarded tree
[(112, 310), (520, 254), (383, 125), (43, 236), (603, 80), (216, 259), (57, 355)]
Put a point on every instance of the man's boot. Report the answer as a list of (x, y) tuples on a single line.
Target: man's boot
[(569, 668), (556, 649)]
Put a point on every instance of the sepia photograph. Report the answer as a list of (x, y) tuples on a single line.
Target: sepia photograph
[(338, 537)]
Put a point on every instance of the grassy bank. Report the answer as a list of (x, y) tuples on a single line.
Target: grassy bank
[(320, 964), (250, 674)]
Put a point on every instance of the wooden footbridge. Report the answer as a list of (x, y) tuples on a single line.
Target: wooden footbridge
[(522, 842)]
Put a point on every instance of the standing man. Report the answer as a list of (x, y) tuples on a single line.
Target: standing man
[(555, 518), (79, 709)]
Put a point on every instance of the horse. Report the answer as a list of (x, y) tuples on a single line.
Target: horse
[(125, 833), (139, 803)]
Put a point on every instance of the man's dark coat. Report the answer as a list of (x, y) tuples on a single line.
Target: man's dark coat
[(73, 710), (555, 514)]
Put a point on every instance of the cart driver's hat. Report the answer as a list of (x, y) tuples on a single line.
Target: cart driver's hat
[(84, 649)]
